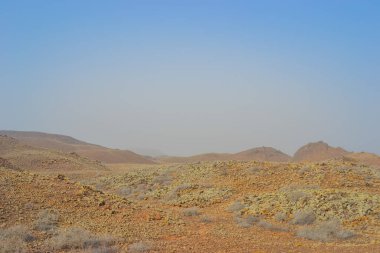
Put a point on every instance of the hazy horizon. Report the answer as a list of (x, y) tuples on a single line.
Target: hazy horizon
[(190, 77)]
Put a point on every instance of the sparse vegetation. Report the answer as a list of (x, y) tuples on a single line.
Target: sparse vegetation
[(78, 238), (14, 239), (280, 216), (297, 195), (245, 222), (192, 211), (304, 217), (326, 231), (205, 219), (125, 191), (47, 220), (270, 226), (162, 179), (197, 195), (139, 247), (198, 199), (235, 207)]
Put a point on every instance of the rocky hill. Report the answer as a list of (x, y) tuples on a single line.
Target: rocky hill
[(68, 144), (318, 151), (15, 154)]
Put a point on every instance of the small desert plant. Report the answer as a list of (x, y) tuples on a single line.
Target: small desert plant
[(78, 238), (303, 217), (326, 231), (140, 247), (125, 191), (14, 239), (280, 216), (297, 195), (191, 211), (270, 226), (303, 170), (235, 207), (105, 249), (253, 170), (177, 190), (245, 222), (47, 220), (205, 219), (163, 179)]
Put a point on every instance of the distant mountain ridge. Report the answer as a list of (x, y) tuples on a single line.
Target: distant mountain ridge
[(69, 144), (259, 154), (311, 152)]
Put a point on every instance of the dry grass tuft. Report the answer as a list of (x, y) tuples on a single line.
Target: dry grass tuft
[(304, 217), (191, 211), (78, 238), (140, 247), (325, 232), (47, 220), (14, 239)]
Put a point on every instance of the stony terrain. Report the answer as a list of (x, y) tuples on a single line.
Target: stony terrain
[(54, 201), (226, 206)]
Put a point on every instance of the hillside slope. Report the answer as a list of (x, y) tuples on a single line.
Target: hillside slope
[(255, 154), (15, 154), (262, 154), (68, 144), (318, 151)]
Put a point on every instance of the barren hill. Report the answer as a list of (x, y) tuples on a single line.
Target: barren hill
[(318, 151), (15, 154), (68, 144), (262, 154), (258, 154), (364, 157)]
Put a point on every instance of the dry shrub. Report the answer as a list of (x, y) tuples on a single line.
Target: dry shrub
[(78, 238), (297, 195), (235, 207), (270, 226), (280, 216), (304, 217), (245, 222), (206, 219), (191, 211), (125, 191), (162, 179), (47, 220), (140, 247), (14, 239), (325, 232)]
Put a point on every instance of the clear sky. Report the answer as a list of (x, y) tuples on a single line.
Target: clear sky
[(193, 76)]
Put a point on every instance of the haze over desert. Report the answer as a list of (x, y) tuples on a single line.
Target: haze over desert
[(189, 126)]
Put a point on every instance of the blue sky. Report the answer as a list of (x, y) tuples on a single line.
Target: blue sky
[(187, 77)]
